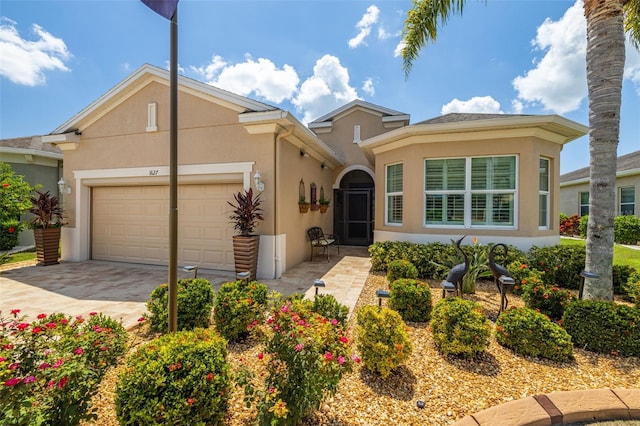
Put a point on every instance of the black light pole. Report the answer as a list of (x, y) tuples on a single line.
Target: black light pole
[(173, 176)]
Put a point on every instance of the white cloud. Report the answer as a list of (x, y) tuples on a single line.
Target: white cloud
[(368, 20), (477, 104), (632, 65), (368, 88), (558, 81), (326, 90), (398, 50), (260, 77), (25, 62), (516, 107)]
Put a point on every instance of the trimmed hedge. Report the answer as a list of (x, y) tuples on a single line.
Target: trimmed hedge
[(460, 327), (412, 299), (531, 333), (604, 327)]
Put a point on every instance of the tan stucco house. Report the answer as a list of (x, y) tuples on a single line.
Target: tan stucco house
[(574, 188), (490, 176)]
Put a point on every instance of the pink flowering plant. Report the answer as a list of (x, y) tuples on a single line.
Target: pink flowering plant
[(51, 367), (306, 355)]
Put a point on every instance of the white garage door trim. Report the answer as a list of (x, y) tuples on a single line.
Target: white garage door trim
[(76, 241)]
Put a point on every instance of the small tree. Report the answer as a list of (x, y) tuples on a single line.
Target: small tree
[(14, 200)]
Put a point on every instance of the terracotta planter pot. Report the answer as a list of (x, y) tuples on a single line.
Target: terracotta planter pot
[(47, 244), (304, 207), (315, 207), (245, 253), (324, 208)]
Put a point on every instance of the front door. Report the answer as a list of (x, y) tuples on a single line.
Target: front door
[(354, 221)]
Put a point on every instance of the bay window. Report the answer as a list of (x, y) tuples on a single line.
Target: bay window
[(393, 194)]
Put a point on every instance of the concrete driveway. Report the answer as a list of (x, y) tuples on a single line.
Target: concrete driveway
[(121, 290)]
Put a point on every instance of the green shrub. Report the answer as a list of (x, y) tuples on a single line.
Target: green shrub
[(327, 306), (531, 333), (178, 377), (548, 299), (631, 289), (626, 229), (523, 275), (401, 269), (9, 232), (425, 257), (382, 339), (195, 301), (411, 299), (52, 367), (584, 223), (561, 264), (603, 327), (621, 274), (306, 356), (460, 327), (239, 305)]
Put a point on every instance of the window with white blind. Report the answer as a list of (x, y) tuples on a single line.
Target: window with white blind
[(543, 194), (393, 194), (470, 192), (627, 200)]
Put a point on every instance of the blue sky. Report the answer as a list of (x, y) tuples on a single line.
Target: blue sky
[(308, 57)]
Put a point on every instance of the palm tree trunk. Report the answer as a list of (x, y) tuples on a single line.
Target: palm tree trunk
[(605, 66)]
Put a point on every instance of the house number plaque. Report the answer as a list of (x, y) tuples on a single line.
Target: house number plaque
[(153, 172)]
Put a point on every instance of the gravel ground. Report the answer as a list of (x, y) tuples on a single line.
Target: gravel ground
[(451, 388)]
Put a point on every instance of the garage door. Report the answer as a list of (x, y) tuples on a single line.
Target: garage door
[(131, 224)]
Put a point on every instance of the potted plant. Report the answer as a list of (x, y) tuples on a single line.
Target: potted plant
[(46, 223), (303, 204), (324, 202), (245, 216)]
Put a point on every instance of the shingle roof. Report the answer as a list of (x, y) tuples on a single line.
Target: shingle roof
[(29, 143), (463, 116), (624, 162)]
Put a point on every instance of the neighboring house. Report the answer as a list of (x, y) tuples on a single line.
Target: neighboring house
[(39, 163), (482, 175), (574, 188)]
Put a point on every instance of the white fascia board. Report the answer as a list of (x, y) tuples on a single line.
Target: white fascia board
[(33, 152)]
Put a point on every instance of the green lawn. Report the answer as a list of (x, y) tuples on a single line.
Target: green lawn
[(21, 257), (621, 255)]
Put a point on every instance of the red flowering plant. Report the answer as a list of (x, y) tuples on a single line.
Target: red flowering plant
[(51, 367), (306, 355)]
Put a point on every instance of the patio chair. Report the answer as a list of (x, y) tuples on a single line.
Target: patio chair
[(318, 239)]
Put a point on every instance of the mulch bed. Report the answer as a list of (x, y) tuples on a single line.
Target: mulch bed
[(450, 388)]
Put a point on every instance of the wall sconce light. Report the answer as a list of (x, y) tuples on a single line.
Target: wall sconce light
[(257, 180), (304, 153), (64, 189)]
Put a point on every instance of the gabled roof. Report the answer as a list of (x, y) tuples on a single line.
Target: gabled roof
[(144, 76), (31, 145), (625, 165), (388, 115)]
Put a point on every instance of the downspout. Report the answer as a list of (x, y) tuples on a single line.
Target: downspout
[(276, 197)]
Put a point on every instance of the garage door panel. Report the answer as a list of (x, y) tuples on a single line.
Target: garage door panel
[(130, 224)]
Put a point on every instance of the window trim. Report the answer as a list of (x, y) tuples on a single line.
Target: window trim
[(580, 205), (620, 203), (468, 192), (547, 194), (388, 194)]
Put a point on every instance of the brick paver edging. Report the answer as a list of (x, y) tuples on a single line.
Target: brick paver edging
[(560, 408)]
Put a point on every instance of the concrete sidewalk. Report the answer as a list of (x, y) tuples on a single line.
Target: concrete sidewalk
[(121, 290)]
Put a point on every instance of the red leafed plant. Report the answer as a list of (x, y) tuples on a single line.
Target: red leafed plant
[(246, 212)]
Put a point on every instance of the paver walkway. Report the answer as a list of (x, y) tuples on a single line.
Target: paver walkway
[(121, 290)]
